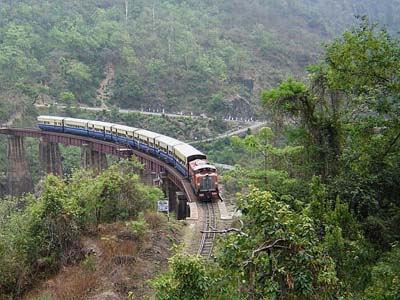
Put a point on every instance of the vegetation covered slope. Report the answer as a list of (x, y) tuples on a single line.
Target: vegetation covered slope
[(42, 232), (213, 56), (320, 204)]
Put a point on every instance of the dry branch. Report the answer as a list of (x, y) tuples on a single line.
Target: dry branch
[(266, 247), (225, 231)]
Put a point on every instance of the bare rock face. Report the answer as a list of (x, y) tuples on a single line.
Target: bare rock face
[(238, 107), (246, 81), (19, 179)]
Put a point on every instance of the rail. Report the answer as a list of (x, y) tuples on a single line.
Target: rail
[(207, 239)]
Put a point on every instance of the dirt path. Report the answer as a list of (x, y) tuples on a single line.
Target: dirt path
[(105, 92)]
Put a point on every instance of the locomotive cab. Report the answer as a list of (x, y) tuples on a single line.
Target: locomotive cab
[(204, 179)]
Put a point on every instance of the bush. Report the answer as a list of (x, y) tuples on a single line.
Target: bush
[(90, 263), (385, 277), (139, 227), (47, 297), (154, 220), (37, 239)]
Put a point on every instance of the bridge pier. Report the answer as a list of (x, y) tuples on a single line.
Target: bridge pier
[(93, 160), (19, 179), (171, 190), (151, 172), (50, 158), (177, 200), (182, 208), (146, 177)]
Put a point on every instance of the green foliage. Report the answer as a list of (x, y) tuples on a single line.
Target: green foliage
[(269, 167), (341, 235), (363, 60), (277, 255), (308, 237), (67, 98), (69, 162), (89, 263), (346, 118), (179, 50), (42, 298), (385, 277), (139, 227), (317, 113), (39, 233), (115, 194), (37, 238), (187, 279), (52, 228), (287, 90), (190, 278)]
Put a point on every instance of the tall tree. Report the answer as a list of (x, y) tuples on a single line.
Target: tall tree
[(349, 113)]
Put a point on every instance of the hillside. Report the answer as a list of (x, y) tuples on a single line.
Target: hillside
[(116, 263), (199, 56), (316, 190)]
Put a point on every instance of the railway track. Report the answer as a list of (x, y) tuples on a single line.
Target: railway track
[(210, 223)]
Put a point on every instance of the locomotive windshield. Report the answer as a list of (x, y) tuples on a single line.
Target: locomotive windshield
[(204, 169), (207, 183)]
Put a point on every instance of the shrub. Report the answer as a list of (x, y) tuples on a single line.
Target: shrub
[(139, 227), (45, 297), (90, 263), (154, 220)]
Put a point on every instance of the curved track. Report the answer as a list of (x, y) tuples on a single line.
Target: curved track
[(210, 223)]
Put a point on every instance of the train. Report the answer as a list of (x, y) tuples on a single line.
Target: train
[(189, 161)]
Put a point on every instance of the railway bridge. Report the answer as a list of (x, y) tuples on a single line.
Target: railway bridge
[(93, 156)]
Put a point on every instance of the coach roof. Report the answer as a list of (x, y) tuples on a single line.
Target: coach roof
[(189, 151)]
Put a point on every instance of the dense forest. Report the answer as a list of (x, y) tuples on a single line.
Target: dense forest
[(320, 197), (201, 56), (317, 191)]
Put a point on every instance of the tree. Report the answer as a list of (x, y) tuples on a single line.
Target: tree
[(277, 163), (318, 116), (67, 98), (41, 233), (349, 116), (385, 277), (78, 74), (364, 66), (187, 279), (277, 254)]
